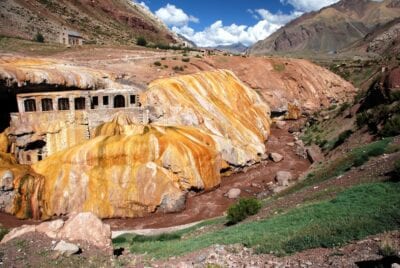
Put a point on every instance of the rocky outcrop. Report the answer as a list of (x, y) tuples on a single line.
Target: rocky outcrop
[(19, 71), (218, 103), (294, 86), (79, 227), (129, 175), (201, 123)]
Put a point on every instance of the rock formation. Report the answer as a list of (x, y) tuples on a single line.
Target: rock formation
[(216, 102), (201, 123)]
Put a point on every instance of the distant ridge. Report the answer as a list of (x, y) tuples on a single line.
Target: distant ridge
[(330, 29)]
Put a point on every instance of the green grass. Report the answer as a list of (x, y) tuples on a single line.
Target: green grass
[(3, 232), (334, 168), (354, 214)]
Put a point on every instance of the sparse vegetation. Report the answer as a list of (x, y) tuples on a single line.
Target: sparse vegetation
[(39, 38), (3, 232), (178, 68), (157, 63), (279, 67), (354, 214), (396, 171), (342, 138), (391, 127), (185, 59), (242, 209), (141, 41), (387, 247)]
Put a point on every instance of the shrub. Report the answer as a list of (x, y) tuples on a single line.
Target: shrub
[(163, 58), (391, 127), (198, 56), (362, 119), (165, 66), (342, 137), (396, 171), (242, 209), (39, 38), (160, 237), (185, 59), (3, 232), (141, 41), (157, 63), (387, 248), (177, 68)]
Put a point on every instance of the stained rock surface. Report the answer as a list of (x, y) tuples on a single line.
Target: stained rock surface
[(201, 124), (218, 103)]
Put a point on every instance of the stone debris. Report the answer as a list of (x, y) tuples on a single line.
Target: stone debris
[(66, 249), (276, 157), (314, 154), (280, 124), (233, 193), (79, 227), (283, 178)]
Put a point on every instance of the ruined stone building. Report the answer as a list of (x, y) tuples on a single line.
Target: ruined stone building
[(70, 38), (47, 122)]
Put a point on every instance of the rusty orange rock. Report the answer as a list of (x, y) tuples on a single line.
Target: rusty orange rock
[(128, 175)]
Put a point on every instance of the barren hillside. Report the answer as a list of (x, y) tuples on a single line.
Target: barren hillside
[(99, 21)]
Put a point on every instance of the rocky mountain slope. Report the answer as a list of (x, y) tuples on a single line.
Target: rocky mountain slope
[(237, 48), (99, 21), (383, 40), (329, 29)]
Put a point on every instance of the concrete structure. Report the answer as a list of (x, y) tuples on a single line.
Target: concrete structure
[(48, 122), (70, 38)]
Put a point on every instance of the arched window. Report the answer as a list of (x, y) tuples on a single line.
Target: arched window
[(30, 105), (63, 104), (80, 103), (47, 104), (119, 101)]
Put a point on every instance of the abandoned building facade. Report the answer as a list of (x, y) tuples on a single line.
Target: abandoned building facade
[(70, 38), (48, 122)]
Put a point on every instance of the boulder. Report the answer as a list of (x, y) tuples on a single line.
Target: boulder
[(280, 124), (276, 157), (233, 193), (314, 154), (283, 178), (300, 149), (6, 183), (86, 227), (66, 249)]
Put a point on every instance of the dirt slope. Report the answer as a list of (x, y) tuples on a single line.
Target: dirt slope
[(99, 21)]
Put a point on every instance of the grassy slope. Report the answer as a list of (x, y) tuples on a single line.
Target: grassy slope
[(355, 213)]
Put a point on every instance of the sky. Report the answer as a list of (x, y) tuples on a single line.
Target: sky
[(210, 23)]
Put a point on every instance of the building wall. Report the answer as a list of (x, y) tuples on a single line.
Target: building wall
[(61, 129)]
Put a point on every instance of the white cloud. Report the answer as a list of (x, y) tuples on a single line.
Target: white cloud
[(219, 34), (175, 17), (309, 5), (143, 4)]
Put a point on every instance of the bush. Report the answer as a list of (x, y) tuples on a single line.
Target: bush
[(242, 209), (157, 63), (185, 59), (160, 237), (163, 58), (396, 171), (141, 41), (39, 38), (391, 127), (3, 232), (177, 68), (342, 137)]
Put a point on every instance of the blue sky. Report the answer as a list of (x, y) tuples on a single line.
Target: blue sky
[(223, 22)]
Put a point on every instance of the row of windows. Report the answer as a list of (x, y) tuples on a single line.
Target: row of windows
[(79, 103)]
